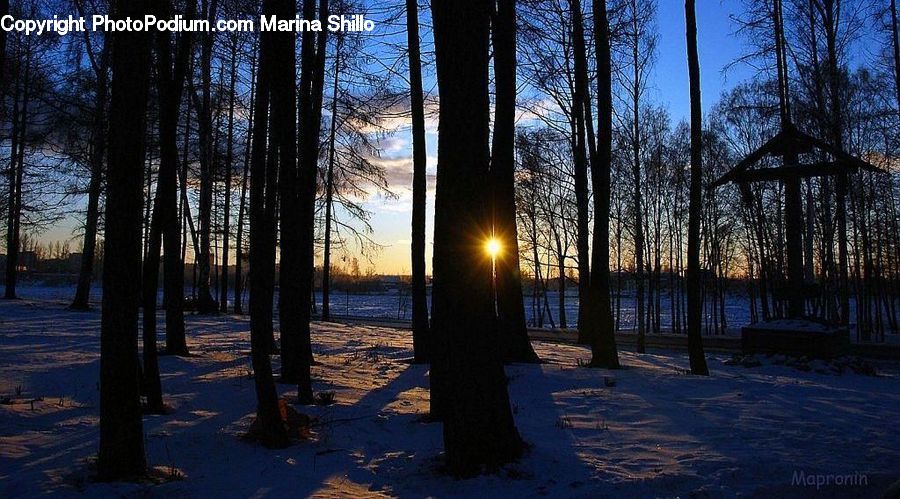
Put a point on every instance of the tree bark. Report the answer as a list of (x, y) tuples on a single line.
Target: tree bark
[(297, 265), (205, 301), (271, 430), (121, 429), (604, 352), (830, 21), (468, 355), (283, 136), (582, 196), (508, 280), (636, 147), (695, 305), (419, 187)]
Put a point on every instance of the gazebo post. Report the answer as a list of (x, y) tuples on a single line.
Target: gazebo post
[(793, 225)]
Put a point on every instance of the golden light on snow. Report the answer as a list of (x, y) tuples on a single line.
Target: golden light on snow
[(492, 247)]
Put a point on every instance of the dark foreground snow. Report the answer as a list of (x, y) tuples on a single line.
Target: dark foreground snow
[(648, 430)]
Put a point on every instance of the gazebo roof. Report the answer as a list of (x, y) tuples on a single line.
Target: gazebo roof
[(789, 140)]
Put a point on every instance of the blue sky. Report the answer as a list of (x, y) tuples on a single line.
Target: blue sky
[(718, 47)]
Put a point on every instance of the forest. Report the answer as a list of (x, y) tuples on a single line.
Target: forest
[(615, 278)]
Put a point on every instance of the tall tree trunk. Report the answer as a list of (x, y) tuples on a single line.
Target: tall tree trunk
[(121, 429), (419, 187), (239, 242), (205, 301), (604, 352), (508, 285), (312, 84), (229, 167), (586, 324), (270, 428), (830, 23), (152, 386), (695, 343), (95, 187), (283, 136), (793, 221), (170, 88), (636, 147), (468, 353), (329, 186)]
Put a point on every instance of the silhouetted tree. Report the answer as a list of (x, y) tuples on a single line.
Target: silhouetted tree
[(121, 429), (205, 301), (417, 247), (603, 340), (270, 428), (694, 300), (296, 349), (510, 302), (100, 66), (468, 355)]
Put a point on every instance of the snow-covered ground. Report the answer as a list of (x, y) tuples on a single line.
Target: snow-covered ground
[(648, 430)]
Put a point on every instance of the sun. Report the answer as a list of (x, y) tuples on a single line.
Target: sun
[(492, 247)]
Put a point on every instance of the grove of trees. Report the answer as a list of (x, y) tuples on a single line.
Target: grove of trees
[(233, 165)]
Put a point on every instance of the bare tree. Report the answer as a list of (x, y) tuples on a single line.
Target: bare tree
[(100, 66), (419, 187), (263, 194), (121, 429), (467, 356), (695, 345), (508, 287), (603, 345)]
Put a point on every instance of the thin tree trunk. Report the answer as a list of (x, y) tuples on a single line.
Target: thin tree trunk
[(205, 301), (417, 247), (582, 197), (604, 352), (312, 79), (638, 198), (830, 24), (329, 187), (95, 188), (695, 304), (239, 243), (229, 167)]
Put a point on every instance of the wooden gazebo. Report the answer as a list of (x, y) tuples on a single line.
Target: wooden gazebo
[(789, 144)]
